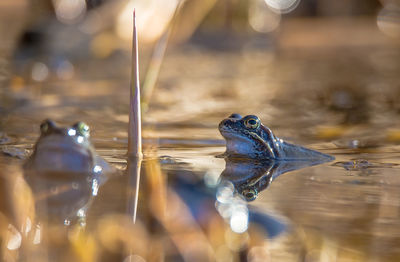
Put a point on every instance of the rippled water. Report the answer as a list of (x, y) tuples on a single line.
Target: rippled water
[(341, 101)]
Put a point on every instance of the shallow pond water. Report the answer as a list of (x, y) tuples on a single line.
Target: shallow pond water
[(338, 100)]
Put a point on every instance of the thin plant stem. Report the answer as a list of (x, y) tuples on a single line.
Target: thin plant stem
[(135, 130), (134, 166), (135, 127)]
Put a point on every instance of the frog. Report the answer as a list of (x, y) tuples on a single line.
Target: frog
[(247, 137), (65, 172), (65, 150)]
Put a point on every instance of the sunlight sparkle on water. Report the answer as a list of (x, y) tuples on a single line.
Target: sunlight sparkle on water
[(80, 139), (239, 220), (37, 236), (95, 187), (81, 213), (232, 208), (211, 178), (224, 210), (71, 132), (97, 169), (282, 6), (27, 226), (225, 193), (15, 238)]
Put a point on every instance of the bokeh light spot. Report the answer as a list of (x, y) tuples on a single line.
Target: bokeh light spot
[(282, 6), (40, 72), (69, 11)]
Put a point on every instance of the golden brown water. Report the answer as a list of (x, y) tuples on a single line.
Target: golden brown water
[(341, 100)]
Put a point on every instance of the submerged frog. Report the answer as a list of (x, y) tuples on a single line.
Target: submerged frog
[(65, 150), (247, 137)]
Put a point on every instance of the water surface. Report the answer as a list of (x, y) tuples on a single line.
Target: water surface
[(338, 100)]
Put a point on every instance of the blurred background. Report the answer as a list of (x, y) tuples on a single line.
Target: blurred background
[(323, 74)]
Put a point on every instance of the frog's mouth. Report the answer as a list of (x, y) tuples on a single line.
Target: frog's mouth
[(238, 143), (231, 134)]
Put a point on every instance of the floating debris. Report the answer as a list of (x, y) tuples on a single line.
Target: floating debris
[(14, 151)]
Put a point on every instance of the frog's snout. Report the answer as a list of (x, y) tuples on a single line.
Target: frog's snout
[(224, 124), (221, 124)]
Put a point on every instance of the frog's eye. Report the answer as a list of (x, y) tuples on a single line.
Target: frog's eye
[(250, 194), (82, 129), (46, 126), (252, 122)]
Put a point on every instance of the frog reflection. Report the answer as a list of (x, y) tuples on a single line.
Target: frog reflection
[(62, 199), (251, 177), (64, 171)]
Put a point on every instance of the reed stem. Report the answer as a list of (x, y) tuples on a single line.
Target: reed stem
[(135, 125)]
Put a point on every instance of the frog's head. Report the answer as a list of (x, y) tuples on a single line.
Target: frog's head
[(62, 149), (246, 136)]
